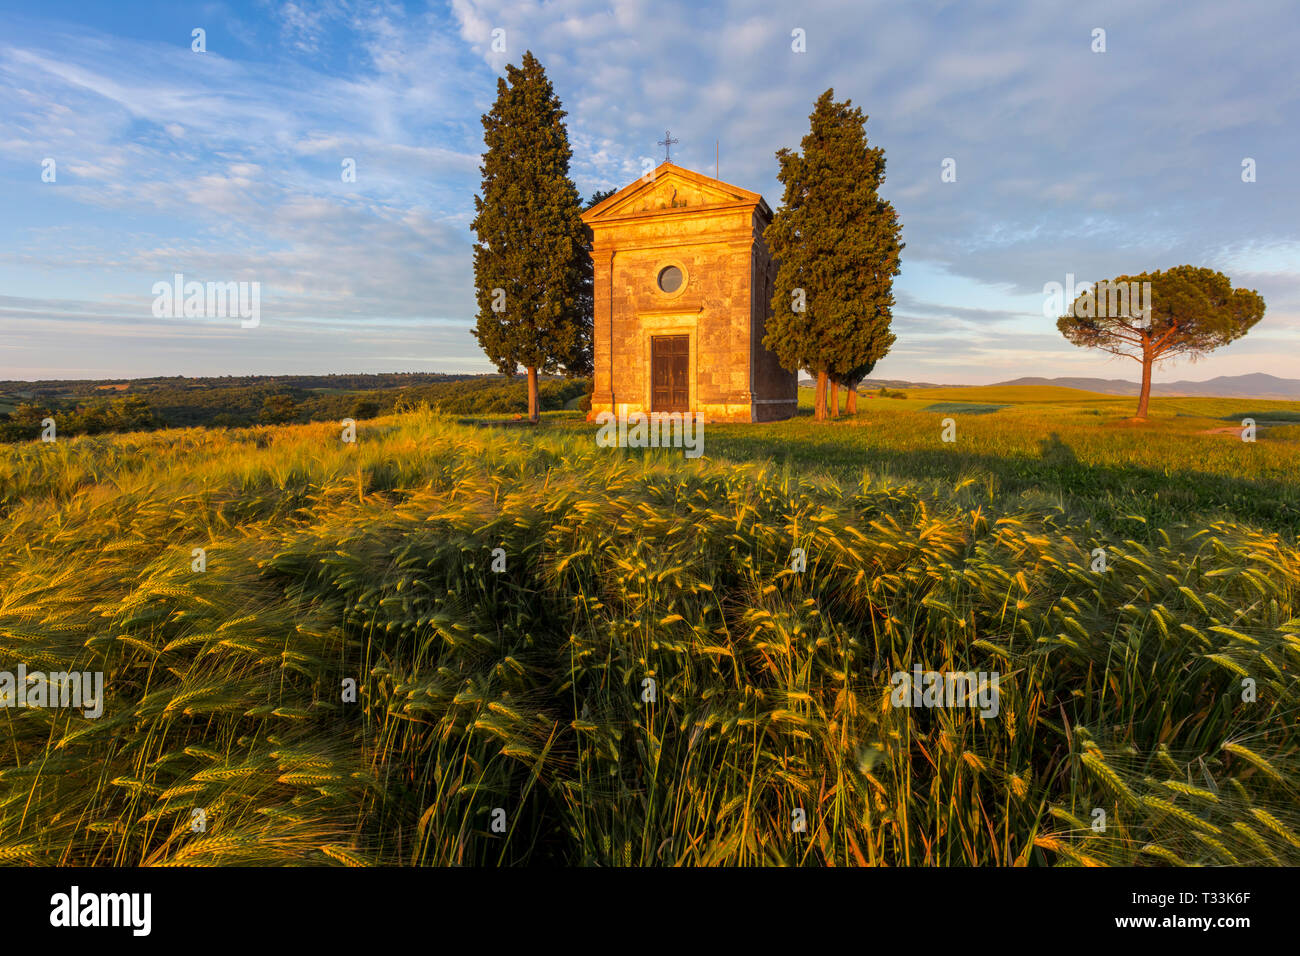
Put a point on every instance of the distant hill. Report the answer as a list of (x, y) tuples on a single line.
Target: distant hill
[(91, 407), (1106, 386), (1253, 385)]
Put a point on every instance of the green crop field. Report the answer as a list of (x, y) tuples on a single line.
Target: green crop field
[(668, 660), (1087, 458)]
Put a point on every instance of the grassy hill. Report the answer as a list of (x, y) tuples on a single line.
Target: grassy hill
[(648, 679)]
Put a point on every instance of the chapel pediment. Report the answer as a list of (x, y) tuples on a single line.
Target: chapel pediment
[(671, 188)]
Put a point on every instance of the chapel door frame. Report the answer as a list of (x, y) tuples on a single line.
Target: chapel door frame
[(668, 322), (670, 354)]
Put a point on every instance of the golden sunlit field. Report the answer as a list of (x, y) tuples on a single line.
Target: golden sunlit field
[(644, 673)]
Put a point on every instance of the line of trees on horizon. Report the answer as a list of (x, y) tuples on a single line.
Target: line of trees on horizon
[(81, 409)]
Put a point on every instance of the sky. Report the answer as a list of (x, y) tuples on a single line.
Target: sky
[(127, 156)]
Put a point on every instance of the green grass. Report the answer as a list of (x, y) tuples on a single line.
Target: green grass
[(525, 691), (1087, 458)]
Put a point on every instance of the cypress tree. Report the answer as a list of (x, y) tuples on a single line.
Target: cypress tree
[(835, 239), (531, 261)]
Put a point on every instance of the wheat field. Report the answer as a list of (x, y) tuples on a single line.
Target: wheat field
[(648, 680)]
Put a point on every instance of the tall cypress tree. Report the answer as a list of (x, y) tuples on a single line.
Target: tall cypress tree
[(836, 240), (531, 257)]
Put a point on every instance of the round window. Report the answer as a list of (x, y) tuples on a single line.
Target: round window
[(670, 279)]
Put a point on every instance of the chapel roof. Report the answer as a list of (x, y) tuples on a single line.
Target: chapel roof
[(671, 188)]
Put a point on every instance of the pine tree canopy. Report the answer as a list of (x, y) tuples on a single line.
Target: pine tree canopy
[(1189, 310), (1152, 316)]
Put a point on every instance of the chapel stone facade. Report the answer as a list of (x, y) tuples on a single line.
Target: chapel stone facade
[(683, 286)]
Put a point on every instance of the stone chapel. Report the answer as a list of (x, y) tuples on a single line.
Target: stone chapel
[(683, 286)]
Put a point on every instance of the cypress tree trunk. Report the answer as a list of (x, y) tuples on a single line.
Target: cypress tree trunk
[(533, 413), (851, 404), (819, 402), (835, 399)]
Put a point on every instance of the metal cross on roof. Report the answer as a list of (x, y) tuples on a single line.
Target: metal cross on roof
[(667, 143)]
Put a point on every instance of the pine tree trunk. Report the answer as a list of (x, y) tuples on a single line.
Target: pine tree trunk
[(835, 399), (851, 403), (819, 402), (1145, 397), (533, 413)]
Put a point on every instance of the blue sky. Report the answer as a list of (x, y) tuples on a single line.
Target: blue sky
[(225, 165)]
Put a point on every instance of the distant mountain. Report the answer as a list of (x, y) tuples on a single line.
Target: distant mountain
[(1253, 385), (1108, 386)]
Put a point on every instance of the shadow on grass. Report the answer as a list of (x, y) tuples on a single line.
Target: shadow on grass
[(1056, 452), (1264, 417), (962, 408), (1103, 492)]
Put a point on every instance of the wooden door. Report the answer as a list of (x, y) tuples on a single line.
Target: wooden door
[(670, 387)]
